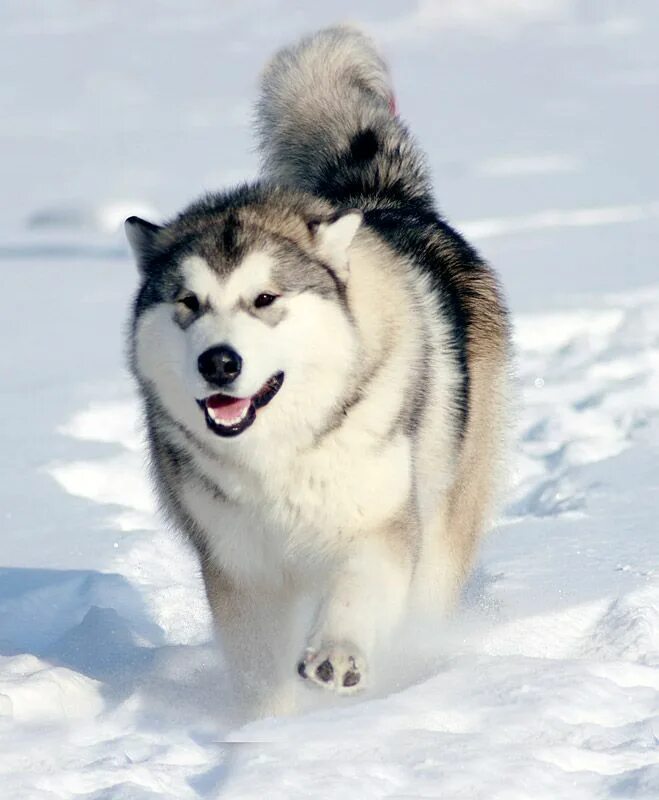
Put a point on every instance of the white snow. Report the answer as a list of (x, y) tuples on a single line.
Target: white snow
[(561, 218), (541, 122)]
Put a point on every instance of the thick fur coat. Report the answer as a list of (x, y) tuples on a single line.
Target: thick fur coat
[(324, 366)]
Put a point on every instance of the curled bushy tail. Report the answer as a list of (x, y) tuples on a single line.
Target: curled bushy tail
[(326, 124)]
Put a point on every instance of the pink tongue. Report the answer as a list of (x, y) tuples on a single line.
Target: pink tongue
[(225, 409)]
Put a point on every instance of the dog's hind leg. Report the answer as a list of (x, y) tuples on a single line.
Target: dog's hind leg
[(364, 602), (254, 625)]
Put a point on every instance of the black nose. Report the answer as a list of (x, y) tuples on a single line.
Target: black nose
[(220, 365)]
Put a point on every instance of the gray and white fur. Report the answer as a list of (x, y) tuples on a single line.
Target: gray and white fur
[(324, 367)]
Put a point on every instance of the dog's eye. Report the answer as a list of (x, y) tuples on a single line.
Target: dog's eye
[(191, 302), (264, 300)]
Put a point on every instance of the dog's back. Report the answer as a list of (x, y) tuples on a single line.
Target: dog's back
[(328, 125)]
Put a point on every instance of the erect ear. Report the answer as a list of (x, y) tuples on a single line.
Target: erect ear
[(333, 237), (141, 236)]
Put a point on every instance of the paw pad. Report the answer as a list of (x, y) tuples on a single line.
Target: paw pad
[(332, 668), (325, 672), (351, 678)]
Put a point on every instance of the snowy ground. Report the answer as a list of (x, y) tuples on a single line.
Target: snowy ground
[(541, 121)]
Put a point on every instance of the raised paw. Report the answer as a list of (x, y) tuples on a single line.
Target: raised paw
[(339, 667)]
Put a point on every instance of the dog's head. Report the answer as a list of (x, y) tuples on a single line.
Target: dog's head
[(242, 315)]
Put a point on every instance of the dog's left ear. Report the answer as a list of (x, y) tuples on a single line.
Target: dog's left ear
[(333, 238), (141, 236)]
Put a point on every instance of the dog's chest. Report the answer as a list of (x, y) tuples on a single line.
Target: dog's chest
[(291, 510), (338, 488)]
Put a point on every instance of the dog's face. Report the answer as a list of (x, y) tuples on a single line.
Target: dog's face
[(259, 340)]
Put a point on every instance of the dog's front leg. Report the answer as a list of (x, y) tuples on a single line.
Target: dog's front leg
[(364, 603), (253, 624)]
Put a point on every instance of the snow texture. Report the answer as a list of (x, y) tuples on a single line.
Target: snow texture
[(541, 122)]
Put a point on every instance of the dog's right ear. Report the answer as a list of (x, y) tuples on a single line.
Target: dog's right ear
[(141, 236), (333, 237)]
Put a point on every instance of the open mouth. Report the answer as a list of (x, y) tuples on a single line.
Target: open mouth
[(229, 416)]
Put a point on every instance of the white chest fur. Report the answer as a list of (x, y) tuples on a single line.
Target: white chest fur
[(293, 510)]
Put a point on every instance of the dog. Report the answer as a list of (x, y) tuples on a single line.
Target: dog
[(324, 369)]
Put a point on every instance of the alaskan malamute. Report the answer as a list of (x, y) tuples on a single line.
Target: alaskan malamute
[(324, 365)]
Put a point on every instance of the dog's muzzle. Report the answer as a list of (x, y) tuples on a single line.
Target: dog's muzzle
[(230, 416)]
